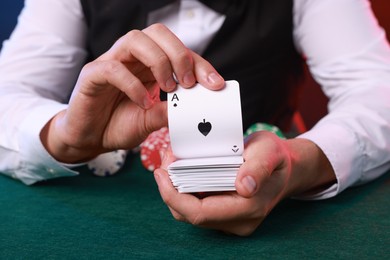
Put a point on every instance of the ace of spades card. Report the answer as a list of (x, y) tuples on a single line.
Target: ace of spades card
[(205, 128)]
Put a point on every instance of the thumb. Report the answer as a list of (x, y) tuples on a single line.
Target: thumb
[(256, 169), (261, 158), (248, 180), (156, 117)]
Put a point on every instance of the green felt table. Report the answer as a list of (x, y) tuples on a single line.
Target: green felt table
[(123, 217)]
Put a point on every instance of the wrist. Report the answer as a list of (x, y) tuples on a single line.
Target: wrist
[(311, 170), (57, 146)]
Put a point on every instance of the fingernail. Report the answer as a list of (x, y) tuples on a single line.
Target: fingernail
[(249, 184), (214, 78), (189, 78), (170, 84)]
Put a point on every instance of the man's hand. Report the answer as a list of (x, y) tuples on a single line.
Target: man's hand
[(115, 103), (273, 170)]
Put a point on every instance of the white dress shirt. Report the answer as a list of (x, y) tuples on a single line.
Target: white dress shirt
[(344, 46)]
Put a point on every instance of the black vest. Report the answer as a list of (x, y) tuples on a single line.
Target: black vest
[(254, 47)]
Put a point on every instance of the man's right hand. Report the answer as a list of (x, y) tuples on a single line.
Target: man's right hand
[(115, 103)]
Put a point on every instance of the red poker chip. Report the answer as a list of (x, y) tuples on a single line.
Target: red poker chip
[(152, 147)]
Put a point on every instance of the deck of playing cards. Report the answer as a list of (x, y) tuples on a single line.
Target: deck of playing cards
[(206, 135)]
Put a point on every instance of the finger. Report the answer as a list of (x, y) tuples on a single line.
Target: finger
[(216, 213), (167, 158), (208, 210), (171, 196), (206, 74), (137, 46), (99, 74), (237, 227), (174, 213), (188, 66), (261, 157), (168, 192), (177, 216), (178, 54)]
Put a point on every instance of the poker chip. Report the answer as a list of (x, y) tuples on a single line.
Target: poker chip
[(107, 164), (264, 127), (152, 148)]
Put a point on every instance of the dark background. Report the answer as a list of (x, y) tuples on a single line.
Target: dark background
[(313, 103)]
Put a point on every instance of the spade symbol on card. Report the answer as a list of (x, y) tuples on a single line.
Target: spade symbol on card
[(204, 127), (235, 148)]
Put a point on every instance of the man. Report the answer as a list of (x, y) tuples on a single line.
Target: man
[(114, 102)]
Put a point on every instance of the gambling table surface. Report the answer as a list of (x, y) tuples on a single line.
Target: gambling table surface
[(123, 217)]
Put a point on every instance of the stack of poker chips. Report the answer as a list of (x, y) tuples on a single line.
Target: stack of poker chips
[(152, 148)]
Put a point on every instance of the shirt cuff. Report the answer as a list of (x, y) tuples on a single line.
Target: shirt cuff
[(37, 164), (342, 149)]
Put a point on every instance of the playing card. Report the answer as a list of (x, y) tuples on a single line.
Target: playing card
[(199, 188), (204, 123), (219, 161), (205, 129)]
